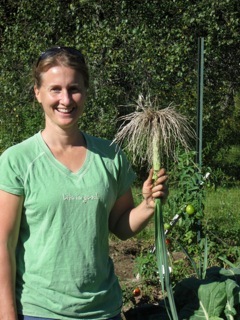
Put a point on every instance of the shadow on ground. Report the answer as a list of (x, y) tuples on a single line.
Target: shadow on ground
[(147, 312)]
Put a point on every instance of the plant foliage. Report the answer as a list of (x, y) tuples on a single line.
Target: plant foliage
[(131, 47), (215, 297)]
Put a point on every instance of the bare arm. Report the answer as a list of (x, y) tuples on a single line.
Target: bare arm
[(126, 220), (10, 216)]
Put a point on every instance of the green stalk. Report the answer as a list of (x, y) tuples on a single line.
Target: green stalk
[(205, 261), (161, 249), (156, 156)]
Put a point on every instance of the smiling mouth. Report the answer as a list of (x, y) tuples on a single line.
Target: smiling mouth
[(65, 111)]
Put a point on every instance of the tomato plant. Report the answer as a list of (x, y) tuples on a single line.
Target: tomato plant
[(186, 200), (136, 292), (190, 209), (168, 242), (167, 226)]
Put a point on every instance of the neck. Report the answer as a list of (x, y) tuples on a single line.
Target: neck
[(63, 138)]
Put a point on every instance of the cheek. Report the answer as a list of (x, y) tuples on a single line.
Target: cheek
[(48, 100), (79, 99)]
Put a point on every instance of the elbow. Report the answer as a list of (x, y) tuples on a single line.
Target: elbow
[(123, 236)]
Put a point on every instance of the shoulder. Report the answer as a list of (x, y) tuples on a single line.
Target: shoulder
[(104, 147), (14, 165), (20, 150), (113, 157)]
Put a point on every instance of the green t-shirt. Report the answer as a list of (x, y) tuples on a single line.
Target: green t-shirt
[(63, 264)]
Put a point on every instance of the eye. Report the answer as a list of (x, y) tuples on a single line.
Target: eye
[(56, 89), (75, 89)]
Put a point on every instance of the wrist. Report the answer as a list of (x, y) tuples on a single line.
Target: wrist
[(148, 204)]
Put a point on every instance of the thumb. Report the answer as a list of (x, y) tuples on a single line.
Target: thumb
[(147, 185), (149, 179)]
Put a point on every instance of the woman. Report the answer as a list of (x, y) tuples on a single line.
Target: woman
[(61, 192)]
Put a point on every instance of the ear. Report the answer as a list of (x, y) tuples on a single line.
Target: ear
[(37, 94)]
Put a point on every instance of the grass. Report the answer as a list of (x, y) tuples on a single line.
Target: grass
[(221, 214), (223, 204)]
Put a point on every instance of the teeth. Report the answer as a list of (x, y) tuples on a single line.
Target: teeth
[(64, 110)]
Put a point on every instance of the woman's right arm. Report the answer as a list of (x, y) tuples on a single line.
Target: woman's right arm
[(10, 217)]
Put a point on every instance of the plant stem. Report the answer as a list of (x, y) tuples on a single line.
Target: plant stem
[(161, 250), (156, 156)]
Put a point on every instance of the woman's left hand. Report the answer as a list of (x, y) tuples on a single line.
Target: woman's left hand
[(155, 189)]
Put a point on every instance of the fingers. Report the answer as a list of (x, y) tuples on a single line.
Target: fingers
[(161, 177), (158, 189), (161, 191)]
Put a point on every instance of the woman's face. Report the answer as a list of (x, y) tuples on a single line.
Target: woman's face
[(62, 95)]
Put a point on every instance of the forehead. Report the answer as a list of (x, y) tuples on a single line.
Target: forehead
[(61, 74), (59, 70)]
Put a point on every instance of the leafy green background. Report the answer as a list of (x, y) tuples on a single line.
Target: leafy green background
[(131, 47)]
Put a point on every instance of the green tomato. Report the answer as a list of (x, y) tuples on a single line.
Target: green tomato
[(190, 209), (166, 226)]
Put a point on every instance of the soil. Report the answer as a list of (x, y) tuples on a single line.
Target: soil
[(147, 304)]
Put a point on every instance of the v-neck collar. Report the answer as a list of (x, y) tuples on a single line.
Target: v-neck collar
[(60, 166)]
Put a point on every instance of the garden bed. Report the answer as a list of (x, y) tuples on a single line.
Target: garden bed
[(149, 303)]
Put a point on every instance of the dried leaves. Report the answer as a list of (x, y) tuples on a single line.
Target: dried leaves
[(149, 123)]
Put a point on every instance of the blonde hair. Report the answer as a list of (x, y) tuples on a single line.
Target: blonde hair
[(60, 56)]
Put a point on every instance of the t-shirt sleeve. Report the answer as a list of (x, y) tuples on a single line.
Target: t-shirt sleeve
[(10, 176), (126, 174)]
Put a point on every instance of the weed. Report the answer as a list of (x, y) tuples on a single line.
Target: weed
[(146, 267)]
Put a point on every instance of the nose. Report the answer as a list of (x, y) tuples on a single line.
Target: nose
[(65, 98)]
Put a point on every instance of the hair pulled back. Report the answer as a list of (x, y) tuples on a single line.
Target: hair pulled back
[(60, 57)]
